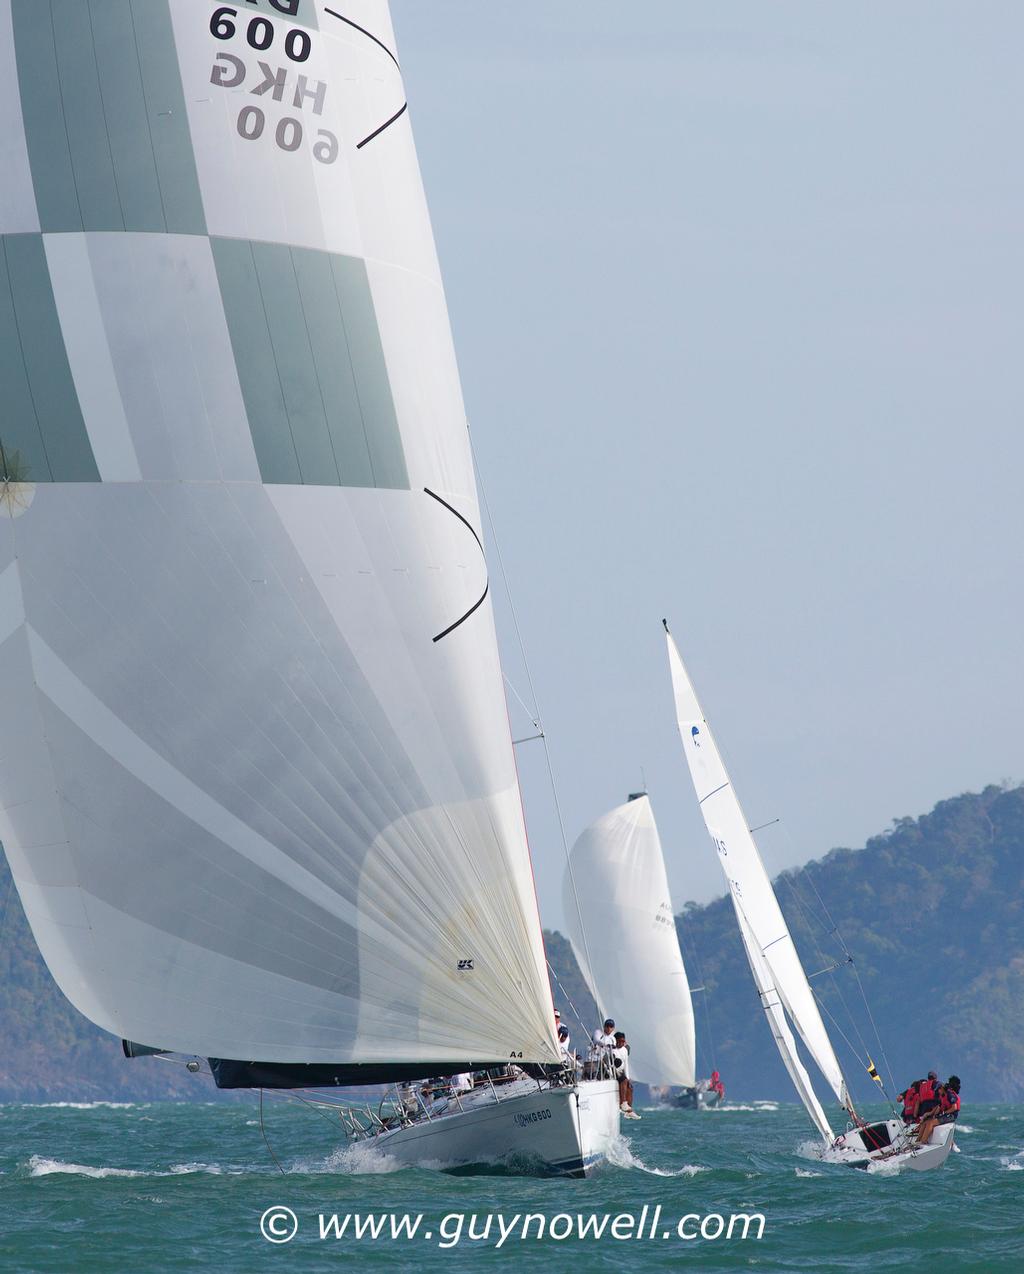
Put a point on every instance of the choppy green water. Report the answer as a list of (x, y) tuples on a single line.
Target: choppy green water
[(175, 1187)]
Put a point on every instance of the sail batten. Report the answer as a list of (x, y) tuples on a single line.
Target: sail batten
[(769, 945), (630, 956), (254, 807)]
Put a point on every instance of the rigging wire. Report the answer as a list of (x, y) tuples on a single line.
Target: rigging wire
[(856, 973), (529, 711), (832, 928), (535, 716), (833, 931), (180, 1061), (266, 1139), (568, 999), (832, 1019), (809, 921), (318, 1102)]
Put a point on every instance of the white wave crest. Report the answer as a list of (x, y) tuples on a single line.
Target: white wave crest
[(620, 1153), (83, 1105), (1013, 1163), (357, 1160), (809, 1149), (760, 1107), (40, 1166), (800, 1172)]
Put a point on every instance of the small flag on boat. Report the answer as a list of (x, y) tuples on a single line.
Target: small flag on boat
[(874, 1073)]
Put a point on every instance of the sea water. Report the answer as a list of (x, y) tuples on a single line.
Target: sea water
[(111, 1186)]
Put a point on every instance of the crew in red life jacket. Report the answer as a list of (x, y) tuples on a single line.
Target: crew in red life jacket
[(949, 1099), (928, 1095), (945, 1108), (716, 1085), (910, 1098)]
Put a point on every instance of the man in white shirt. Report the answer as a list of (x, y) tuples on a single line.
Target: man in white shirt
[(620, 1058), (463, 1083), (604, 1036), (563, 1045), (601, 1048)]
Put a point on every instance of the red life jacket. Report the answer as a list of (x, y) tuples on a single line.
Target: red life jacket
[(926, 1091), (948, 1100), (910, 1099)]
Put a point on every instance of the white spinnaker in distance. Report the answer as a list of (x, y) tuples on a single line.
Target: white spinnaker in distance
[(761, 921), (257, 788), (635, 970)]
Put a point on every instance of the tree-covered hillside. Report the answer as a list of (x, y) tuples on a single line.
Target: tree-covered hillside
[(48, 1050), (933, 912)]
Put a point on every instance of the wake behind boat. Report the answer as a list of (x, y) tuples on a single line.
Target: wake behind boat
[(782, 984)]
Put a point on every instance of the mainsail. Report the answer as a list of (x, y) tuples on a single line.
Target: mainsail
[(777, 970), (257, 788), (630, 958)]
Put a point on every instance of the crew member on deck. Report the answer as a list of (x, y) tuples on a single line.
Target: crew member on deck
[(909, 1098), (944, 1108), (604, 1036), (928, 1095), (949, 1100), (563, 1045), (620, 1059), (601, 1048)]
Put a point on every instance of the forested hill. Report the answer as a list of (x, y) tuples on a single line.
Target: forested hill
[(933, 913), (48, 1050), (932, 910)]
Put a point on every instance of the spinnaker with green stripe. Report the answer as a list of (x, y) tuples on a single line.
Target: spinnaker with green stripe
[(257, 788)]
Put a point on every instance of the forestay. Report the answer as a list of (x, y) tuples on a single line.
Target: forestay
[(630, 957), (773, 957), (256, 782)]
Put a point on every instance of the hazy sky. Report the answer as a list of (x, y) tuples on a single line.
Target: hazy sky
[(737, 296)]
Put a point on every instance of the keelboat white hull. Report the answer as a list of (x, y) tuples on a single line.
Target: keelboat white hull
[(562, 1130), (860, 1148), (786, 994), (698, 1097)]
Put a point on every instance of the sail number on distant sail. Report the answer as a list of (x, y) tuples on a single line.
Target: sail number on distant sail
[(272, 81)]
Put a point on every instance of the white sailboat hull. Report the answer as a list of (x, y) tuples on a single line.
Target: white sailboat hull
[(902, 1150), (696, 1098), (566, 1131)]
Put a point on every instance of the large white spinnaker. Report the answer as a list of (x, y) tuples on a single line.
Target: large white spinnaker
[(773, 957), (630, 957), (257, 788)]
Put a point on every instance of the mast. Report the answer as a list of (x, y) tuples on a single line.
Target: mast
[(778, 972)]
